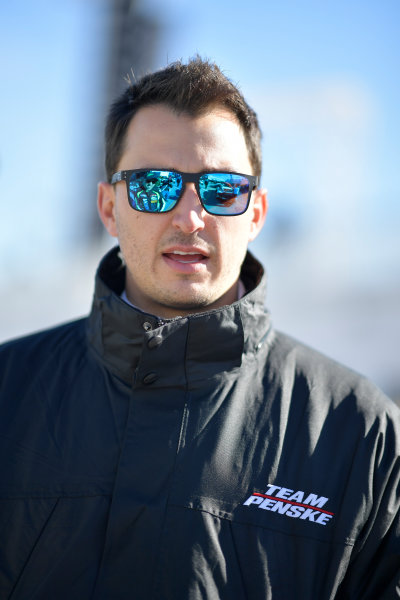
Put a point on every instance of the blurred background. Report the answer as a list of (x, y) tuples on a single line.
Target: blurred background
[(324, 80)]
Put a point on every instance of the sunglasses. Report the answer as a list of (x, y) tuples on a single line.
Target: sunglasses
[(159, 190)]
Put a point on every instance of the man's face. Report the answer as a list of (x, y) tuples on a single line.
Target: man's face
[(186, 260), (149, 185)]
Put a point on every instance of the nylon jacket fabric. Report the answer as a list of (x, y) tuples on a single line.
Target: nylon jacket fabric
[(205, 457)]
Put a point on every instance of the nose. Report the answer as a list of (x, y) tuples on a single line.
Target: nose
[(188, 215)]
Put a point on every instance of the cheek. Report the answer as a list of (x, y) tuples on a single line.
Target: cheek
[(138, 234), (129, 230), (234, 237)]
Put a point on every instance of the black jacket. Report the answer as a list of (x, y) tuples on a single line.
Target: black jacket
[(203, 457)]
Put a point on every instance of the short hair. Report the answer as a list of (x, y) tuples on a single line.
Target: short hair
[(191, 88)]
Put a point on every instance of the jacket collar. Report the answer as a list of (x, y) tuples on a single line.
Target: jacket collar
[(119, 333)]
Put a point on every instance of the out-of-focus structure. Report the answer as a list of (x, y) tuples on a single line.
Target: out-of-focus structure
[(131, 51)]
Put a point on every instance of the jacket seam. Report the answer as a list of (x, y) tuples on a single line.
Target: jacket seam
[(164, 526), (52, 496), (345, 542), (32, 551)]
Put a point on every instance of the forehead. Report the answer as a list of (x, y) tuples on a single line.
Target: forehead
[(159, 137)]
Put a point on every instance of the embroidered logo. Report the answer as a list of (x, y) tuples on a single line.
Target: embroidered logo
[(291, 503)]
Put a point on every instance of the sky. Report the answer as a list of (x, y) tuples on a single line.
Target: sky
[(323, 78)]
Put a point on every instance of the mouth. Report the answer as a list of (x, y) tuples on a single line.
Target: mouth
[(185, 257), (186, 261)]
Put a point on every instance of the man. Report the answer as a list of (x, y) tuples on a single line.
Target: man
[(173, 445), (149, 199)]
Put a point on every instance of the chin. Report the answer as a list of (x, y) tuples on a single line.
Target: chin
[(187, 302), (192, 305)]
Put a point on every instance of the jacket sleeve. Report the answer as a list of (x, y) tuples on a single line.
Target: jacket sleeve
[(374, 570)]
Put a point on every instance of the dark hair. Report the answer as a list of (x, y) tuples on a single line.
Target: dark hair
[(190, 88)]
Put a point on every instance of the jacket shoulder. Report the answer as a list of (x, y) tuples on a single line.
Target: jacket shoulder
[(327, 379), (31, 350)]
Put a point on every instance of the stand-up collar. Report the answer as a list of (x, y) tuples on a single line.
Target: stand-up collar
[(207, 343)]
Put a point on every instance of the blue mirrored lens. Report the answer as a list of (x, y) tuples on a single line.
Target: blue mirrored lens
[(224, 193), (154, 191)]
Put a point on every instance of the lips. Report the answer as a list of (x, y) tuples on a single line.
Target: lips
[(185, 257), (190, 260)]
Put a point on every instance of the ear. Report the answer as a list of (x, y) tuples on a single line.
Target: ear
[(260, 209), (106, 206)]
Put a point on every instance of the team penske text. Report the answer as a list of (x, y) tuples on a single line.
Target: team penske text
[(291, 503)]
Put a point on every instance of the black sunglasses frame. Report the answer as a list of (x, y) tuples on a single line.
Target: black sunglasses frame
[(186, 178)]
